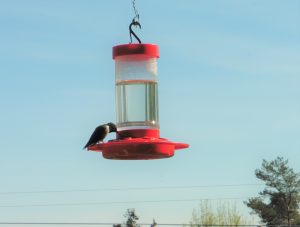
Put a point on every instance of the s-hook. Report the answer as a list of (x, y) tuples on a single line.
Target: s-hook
[(136, 24)]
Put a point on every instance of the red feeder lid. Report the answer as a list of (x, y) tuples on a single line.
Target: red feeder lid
[(151, 50)]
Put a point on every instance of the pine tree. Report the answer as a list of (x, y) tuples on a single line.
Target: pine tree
[(278, 203), (131, 218)]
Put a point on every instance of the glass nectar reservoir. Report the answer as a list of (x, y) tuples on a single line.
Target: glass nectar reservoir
[(136, 89)]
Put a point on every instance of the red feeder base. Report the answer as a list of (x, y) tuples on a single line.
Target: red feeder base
[(138, 148)]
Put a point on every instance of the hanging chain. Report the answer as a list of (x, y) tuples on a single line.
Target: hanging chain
[(137, 16)]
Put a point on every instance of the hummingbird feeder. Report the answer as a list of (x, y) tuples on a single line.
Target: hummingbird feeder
[(136, 86)]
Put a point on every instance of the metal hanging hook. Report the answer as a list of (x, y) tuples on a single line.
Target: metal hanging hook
[(136, 24)]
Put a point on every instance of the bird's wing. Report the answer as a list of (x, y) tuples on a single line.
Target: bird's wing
[(98, 135)]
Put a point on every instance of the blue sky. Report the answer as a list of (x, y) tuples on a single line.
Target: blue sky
[(229, 78)]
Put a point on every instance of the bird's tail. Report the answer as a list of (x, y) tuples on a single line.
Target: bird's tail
[(87, 146)]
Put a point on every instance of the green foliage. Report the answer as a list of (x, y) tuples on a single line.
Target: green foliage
[(131, 218), (282, 193), (224, 214)]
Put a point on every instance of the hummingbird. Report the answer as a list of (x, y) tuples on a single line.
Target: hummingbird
[(100, 133)]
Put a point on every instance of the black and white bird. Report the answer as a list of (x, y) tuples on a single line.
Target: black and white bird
[(100, 133)]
